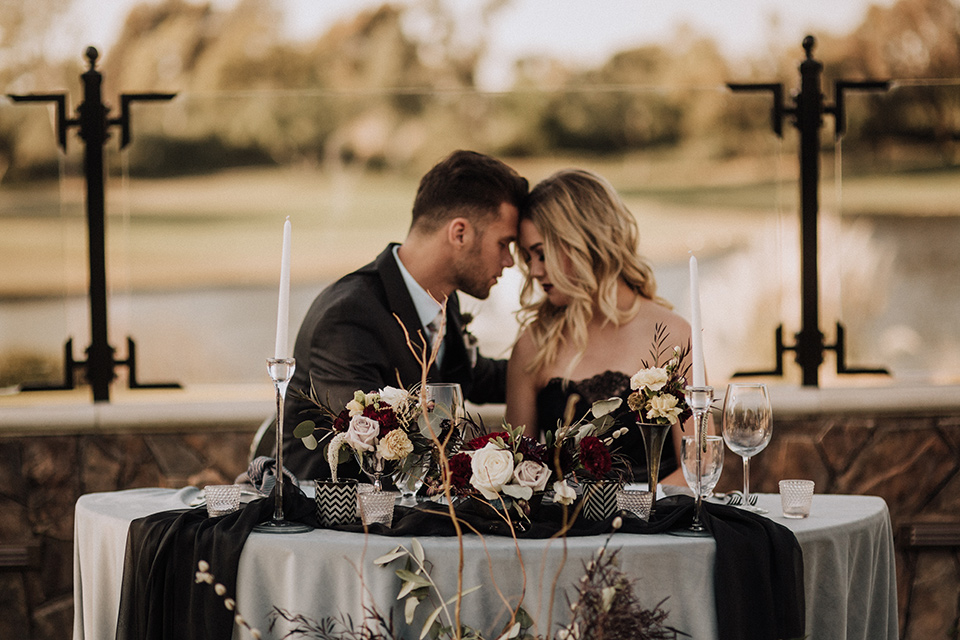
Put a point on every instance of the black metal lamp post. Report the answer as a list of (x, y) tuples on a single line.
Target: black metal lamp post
[(808, 113), (93, 123)]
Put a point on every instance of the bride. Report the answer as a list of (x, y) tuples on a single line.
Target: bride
[(591, 321)]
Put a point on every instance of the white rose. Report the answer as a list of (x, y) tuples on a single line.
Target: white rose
[(393, 396), (362, 433), (653, 378), (563, 493), (492, 468), (532, 474), (664, 406)]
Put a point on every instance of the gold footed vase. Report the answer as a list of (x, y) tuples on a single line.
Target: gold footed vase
[(654, 435)]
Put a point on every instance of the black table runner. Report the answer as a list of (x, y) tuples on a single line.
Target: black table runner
[(758, 577)]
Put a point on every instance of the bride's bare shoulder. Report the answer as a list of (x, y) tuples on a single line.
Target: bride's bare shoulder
[(524, 349), (652, 313)]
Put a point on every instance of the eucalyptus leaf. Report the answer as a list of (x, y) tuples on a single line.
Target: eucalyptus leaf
[(387, 558), (429, 622), (511, 632), (417, 550), (310, 442), (410, 609), (406, 589), (584, 431), (410, 576), (453, 599), (604, 423), (304, 429), (603, 407), (524, 618)]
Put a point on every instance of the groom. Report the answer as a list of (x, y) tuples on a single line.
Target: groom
[(464, 220)]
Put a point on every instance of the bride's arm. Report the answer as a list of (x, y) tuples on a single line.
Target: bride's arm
[(522, 387)]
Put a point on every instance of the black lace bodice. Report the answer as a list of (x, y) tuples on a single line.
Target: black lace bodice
[(552, 400)]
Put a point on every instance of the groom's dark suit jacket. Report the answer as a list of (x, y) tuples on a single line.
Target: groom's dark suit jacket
[(350, 341)]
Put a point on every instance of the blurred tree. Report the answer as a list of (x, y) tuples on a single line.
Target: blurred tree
[(916, 42), (25, 149)]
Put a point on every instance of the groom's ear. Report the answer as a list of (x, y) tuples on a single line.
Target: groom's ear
[(459, 231)]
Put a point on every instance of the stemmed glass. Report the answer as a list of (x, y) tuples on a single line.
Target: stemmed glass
[(747, 427), (280, 370), (409, 477), (711, 463), (374, 467), (444, 402)]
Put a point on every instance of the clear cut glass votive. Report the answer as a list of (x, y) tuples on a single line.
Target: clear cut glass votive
[(635, 501), (796, 496), (376, 507), (221, 499)]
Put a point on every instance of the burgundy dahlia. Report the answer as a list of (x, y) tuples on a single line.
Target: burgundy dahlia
[(385, 417), (460, 471), (595, 457)]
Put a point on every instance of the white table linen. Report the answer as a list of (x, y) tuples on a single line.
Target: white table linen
[(847, 543)]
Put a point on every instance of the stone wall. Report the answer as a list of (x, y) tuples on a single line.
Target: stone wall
[(912, 462), (41, 478)]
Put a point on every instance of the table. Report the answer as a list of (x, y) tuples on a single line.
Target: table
[(847, 542)]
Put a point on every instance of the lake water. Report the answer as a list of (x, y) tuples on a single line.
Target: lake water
[(900, 287)]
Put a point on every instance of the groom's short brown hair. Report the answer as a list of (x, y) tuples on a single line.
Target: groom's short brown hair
[(466, 184)]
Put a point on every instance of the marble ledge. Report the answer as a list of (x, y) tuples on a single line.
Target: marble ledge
[(193, 408)]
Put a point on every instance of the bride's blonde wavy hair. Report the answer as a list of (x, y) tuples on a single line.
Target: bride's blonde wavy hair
[(587, 227)]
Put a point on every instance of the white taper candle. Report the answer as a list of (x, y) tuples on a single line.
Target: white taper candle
[(696, 332), (283, 308)]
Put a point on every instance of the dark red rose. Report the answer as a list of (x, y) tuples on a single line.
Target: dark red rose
[(595, 457), (481, 441), (460, 471)]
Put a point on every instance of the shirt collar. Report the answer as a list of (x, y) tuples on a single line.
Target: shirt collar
[(427, 307)]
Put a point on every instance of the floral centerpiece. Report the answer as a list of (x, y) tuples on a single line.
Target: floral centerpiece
[(504, 468), (658, 396), (379, 429), (585, 450), (658, 399)]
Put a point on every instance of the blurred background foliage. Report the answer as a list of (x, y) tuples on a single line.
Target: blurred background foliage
[(334, 131), (634, 101)]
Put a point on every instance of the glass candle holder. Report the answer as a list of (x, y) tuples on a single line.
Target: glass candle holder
[(636, 502), (376, 507), (221, 499), (796, 496)]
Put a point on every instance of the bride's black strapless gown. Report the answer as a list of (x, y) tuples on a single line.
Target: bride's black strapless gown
[(552, 399)]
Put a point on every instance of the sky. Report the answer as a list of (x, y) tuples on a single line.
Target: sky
[(572, 30)]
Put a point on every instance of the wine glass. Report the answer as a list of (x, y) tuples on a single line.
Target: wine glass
[(747, 427), (711, 463), (443, 408)]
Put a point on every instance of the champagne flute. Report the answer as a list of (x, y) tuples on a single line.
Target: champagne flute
[(711, 463), (747, 427)]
